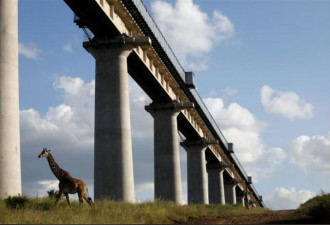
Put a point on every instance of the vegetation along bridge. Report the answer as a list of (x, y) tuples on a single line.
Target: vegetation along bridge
[(124, 39)]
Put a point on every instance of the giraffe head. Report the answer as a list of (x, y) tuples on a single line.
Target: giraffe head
[(45, 152)]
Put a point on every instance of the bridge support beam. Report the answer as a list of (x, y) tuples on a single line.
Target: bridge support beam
[(197, 176), (167, 170), (10, 162), (216, 184), (113, 160), (230, 192)]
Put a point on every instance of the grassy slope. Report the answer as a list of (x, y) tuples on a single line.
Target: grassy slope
[(317, 208), (43, 211)]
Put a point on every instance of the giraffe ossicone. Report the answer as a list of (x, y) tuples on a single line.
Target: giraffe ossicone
[(68, 184)]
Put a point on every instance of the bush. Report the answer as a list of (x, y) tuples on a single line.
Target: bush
[(44, 206), (317, 207), (16, 202)]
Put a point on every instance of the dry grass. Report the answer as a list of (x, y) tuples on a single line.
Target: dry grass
[(43, 211)]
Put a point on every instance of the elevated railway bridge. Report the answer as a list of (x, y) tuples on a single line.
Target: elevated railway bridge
[(124, 39)]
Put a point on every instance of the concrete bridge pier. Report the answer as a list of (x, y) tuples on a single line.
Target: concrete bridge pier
[(240, 195), (230, 192), (10, 158), (197, 176), (113, 161), (216, 184), (166, 150)]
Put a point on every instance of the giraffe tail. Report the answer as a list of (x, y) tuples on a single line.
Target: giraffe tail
[(88, 197)]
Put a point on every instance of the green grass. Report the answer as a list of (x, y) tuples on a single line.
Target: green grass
[(317, 207), (43, 211)]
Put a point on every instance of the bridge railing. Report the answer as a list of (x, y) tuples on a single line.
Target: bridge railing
[(160, 37), (207, 113)]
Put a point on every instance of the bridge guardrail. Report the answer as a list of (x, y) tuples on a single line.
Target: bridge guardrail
[(160, 37)]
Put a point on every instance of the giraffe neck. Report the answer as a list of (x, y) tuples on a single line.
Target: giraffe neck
[(54, 167)]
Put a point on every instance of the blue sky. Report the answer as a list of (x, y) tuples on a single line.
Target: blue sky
[(263, 68)]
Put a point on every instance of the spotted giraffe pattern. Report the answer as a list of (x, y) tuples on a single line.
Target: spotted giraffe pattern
[(68, 184)]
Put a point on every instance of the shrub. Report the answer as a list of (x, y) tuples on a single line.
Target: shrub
[(317, 207), (52, 193), (16, 202)]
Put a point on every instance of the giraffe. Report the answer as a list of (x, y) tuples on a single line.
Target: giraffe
[(68, 184)]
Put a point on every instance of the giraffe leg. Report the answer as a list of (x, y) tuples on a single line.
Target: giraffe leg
[(58, 196), (67, 198), (89, 201), (80, 196)]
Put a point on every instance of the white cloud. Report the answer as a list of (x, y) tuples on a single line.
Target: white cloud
[(225, 93), (311, 153), (146, 186), (239, 126), (287, 198), (68, 129), (72, 122), (276, 155), (230, 91), (46, 185), (190, 31), (30, 50), (272, 159), (49, 184), (67, 124), (68, 48), (242, 128), (287, 104)]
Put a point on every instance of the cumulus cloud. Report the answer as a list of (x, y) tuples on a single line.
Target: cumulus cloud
[(311, 153), (190, 31), (48, 185), (239, 126), (276, 155), (29, 50), (73, 120), (67, 124), (272, 158), (68, 129), (287, 198), (287, 104), (242, 128), (68, 48)]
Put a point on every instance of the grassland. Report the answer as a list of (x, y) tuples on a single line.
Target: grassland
[(24, 210), (43, 211)]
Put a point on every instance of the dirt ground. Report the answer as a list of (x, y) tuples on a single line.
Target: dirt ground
[(272, 217)]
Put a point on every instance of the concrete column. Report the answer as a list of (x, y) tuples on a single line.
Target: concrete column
[(216, 184), (113, 161), (10, 162), (230, 192), (240, 198), (166, 151), (197, 176)]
